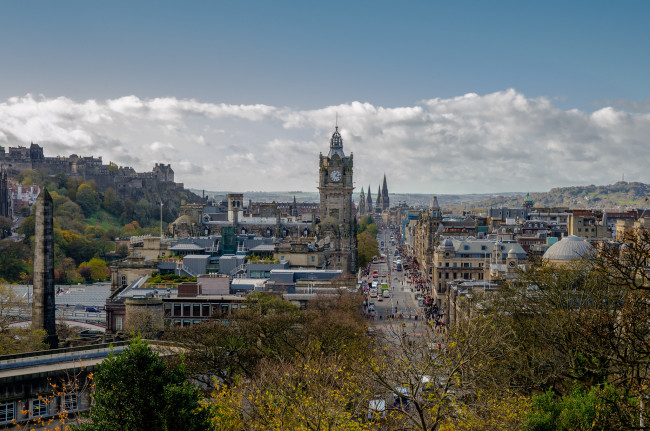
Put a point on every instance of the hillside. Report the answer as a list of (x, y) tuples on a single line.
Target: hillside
[(621, 195)]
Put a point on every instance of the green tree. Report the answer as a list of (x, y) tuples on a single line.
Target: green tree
[(88, 199), (5, 227), (110, 203), (94, 270), (13, 259), (136, 391), (28, 228), (367, 247)]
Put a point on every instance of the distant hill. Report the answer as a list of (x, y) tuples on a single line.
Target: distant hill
[(621, 195), (412, 199)]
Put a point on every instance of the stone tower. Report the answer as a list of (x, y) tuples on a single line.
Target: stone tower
[(5, 203), (362, 203), (43, 310), (378, 205), (335, 186), (385, 200), (369, 201)]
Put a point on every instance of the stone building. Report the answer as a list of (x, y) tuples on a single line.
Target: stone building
[(336, 208)]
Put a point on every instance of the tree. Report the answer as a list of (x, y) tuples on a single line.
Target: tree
[(367, 247), (28, 228), (5, 227), (88, 199), (135, 391), (13, 259), (111, 203), (15, 340)]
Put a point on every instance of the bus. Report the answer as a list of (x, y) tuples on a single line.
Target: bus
[(398, 266)]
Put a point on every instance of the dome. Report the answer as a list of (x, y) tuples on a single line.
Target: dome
[(569, 248), (447, 244)]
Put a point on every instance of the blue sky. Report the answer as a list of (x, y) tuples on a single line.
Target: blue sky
[(581, 69)]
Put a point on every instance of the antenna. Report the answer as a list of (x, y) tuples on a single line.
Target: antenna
[(337, 120)]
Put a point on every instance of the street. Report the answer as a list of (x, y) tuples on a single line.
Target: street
[(400, 310)]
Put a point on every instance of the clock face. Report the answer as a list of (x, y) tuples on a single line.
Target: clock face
[(512, 263), (335, 176)]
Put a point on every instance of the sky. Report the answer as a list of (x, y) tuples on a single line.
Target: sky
[(443, 97)]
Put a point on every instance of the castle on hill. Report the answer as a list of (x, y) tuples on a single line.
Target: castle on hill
[(123, 179)]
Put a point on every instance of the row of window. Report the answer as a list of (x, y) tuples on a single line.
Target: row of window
[(463, 275), (199, 310), (464, 264), (38, 407), (187, 322)]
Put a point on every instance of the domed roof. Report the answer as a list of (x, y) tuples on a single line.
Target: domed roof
[(528, 198), (569, 248), (447, 244)]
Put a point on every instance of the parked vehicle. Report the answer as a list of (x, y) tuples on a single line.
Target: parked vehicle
[(377, 409)]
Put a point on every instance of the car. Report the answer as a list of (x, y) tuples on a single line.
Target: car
[(92, 310), (377, 409)]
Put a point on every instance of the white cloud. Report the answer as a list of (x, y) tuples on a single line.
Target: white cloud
[(471, 143)]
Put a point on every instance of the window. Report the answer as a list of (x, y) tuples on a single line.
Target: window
[(177, 310), (168, 309), (69, 402), (206, 310), (39, 407), (123, 280), (196, 310), (118, 324), (186, 310), (313, 258), (7, 412)]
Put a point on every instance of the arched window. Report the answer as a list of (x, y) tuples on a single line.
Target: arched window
[(123, 281)]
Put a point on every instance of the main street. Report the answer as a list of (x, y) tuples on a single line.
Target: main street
[(401, 309)]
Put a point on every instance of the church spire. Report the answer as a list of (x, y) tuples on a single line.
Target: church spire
[(378, 205), (385, 200), (369, 202)]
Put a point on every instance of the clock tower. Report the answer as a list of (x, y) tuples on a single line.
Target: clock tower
[(335, 186)]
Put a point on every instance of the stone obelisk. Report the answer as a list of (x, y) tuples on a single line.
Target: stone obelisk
[(43, 308)]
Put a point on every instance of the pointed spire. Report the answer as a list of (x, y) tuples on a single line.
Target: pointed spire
[(434, 203), (378, 205)]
